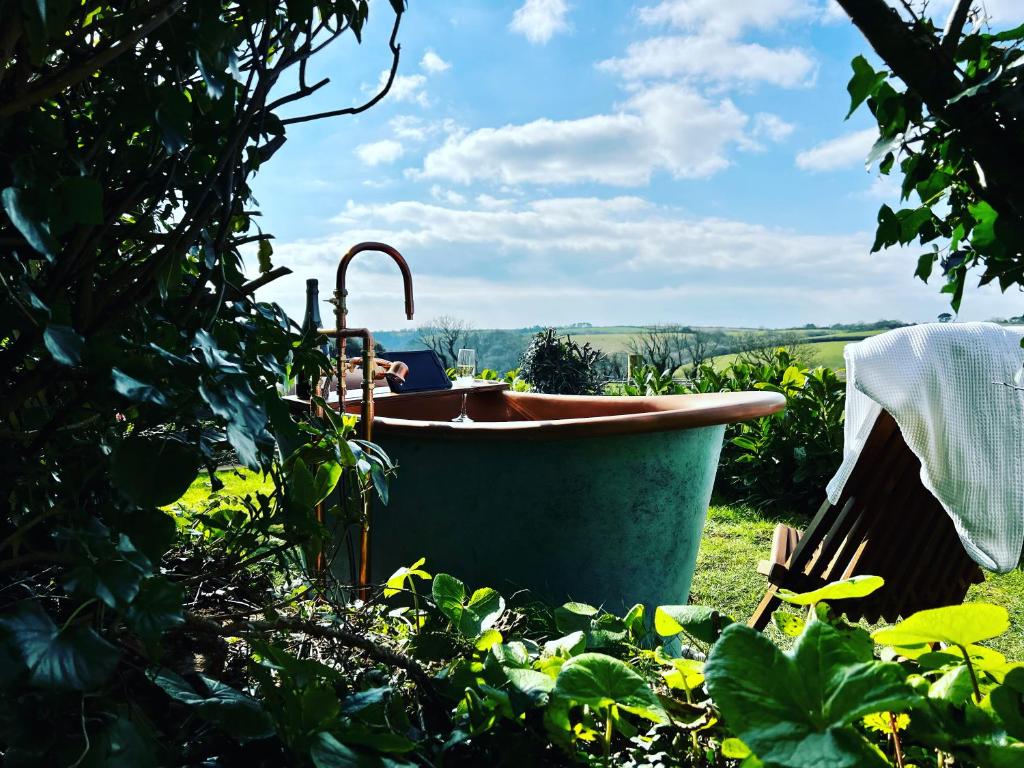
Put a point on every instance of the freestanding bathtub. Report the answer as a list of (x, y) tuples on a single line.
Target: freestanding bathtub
[(595, 499)]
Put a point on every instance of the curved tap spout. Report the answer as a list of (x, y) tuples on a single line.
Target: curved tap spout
[(342, 292), (342, 332)]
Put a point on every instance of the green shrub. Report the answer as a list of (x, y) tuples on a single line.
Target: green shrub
[(787, 458), (560, 366)]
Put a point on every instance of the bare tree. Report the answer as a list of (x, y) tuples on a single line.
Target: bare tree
[(659, 345), (700, 345), (445, 335), (760, 347)]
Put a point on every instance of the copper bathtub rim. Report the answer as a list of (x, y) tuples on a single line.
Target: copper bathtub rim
[(701, 410)]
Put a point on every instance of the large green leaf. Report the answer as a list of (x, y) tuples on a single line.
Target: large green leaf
[(449, 594), (154, 471), (797, 709), (697, 620), (74, 658), (855, 586), (113, 580), (135, 390), (156, 608), (957, 624), (237, 714), (28, 222), (484, 607), (64, 343), (328, 752), (599, 682)]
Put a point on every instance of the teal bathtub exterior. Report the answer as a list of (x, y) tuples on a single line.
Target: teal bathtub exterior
[(599, 500), (606, 520)]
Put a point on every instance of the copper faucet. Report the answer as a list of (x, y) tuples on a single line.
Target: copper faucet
[(343, 332)]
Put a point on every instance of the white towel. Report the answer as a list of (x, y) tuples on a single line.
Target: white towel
[(946, 387)]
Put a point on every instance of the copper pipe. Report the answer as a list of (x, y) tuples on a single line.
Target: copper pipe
[(366, 408)]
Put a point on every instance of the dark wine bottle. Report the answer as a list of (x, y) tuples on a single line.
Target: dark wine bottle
[(311, 323)]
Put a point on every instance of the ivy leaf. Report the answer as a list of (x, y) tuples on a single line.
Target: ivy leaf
[(449, 594), (956, 624), (76, 658), (798, 709), (984, 237), (157, 608), (925, 262), (573, 617), (154, 471), (697, 620), (265, 251), (854, 587), (172, 117), (599, 682), (114, 581), (484, 608), (237, 714), (1008, 702), (888, 232), (135, 390), (328, 752), (28, 222), (863, 83), (535, 687), (64, 343)]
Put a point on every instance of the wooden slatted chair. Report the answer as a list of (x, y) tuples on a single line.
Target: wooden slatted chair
[(886, 523)]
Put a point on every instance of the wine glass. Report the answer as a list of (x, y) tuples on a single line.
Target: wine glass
[(465, 367)]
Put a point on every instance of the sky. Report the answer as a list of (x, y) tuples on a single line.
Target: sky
[(546, 162)]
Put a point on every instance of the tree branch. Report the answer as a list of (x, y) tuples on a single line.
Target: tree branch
[(954, 27), (396, 53)]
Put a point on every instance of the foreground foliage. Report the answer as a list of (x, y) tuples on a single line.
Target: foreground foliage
[(949, 104), (782, 460), (132, 354)]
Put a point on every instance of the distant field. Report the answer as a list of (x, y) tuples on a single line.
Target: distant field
[(828, 351)]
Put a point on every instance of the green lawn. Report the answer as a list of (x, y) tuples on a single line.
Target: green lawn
[(735, 538)]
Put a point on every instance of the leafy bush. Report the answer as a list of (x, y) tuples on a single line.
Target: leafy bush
[(786, 458), (560, 366)]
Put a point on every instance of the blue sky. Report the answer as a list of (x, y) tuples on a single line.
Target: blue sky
[(551, 161)]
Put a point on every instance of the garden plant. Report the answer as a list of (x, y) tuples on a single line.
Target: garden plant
[(137, 632)]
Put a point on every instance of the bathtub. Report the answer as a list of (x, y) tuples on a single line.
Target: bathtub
[(600, 500)]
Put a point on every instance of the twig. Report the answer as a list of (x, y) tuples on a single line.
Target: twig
[(396, 53), (376, 652), (85, 735)]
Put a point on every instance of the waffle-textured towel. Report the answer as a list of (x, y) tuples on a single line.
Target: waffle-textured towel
[(946, 387)]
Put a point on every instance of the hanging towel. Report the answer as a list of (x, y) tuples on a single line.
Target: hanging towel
[(953, 391)]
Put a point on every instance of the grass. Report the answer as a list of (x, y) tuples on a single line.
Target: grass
[(735, 538)]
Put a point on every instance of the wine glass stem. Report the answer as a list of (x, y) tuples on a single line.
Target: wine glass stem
[(465, 395)]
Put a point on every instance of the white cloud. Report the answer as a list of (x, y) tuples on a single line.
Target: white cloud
[(667, 127), (539, 20), (433, 63), (449, 196), (713, 59), (378, 152), (611, 260), (771, 127), (847, 151), (727, 19), (404, 88)]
